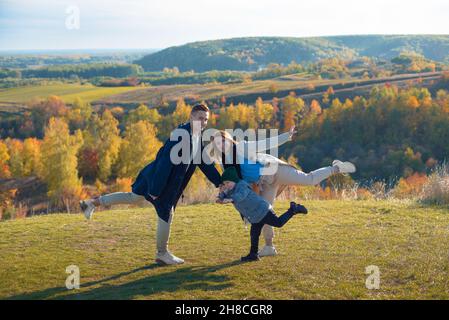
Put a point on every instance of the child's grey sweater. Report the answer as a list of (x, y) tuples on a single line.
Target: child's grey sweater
[(250, 205)]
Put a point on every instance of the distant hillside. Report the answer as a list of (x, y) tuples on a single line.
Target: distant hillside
[(249, 54)]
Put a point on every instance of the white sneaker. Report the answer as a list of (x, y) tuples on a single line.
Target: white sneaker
[(88, 208), (167, 258), (268, 251), (344, 167)]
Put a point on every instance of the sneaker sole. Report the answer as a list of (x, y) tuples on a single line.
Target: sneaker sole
[(268, 255), (351, 168), (162, 263), (348, 169)]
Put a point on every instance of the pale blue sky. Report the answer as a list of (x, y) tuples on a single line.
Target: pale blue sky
[(41, 24)]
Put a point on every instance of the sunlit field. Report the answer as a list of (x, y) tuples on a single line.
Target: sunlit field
[(67, 92), (323, 255)]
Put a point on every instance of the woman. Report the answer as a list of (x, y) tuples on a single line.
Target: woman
[(253, 167)]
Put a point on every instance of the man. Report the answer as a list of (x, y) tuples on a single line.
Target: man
[(163, 181)]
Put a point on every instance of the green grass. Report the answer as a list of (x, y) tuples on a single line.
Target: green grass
[(321, 256), (68, 92)]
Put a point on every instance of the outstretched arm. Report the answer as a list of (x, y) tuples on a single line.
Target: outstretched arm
[(273, 142), (211, 173), (223, 198), (207, 166)]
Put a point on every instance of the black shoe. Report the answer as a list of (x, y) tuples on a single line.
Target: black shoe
[(83, 205), (297, 208), (250, 257)]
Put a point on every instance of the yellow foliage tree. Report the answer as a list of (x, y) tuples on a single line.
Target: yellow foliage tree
[(181, 113), (59, 162), (109, 135), (291, 109), (142, 112), (336, 104), (246, 116), (32, 160), (15, 150), (315, 107), (80, 113), (413, 102), (264, 113), (4, 157), (122, 185), (104, 135), (224, 119), (139, 147)]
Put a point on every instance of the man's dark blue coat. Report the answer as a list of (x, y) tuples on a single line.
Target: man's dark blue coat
[(166, 180)]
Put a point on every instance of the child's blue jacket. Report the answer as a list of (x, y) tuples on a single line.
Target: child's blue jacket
[(250, 205)]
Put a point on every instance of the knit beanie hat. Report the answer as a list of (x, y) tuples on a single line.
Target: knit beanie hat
[(230, 174)]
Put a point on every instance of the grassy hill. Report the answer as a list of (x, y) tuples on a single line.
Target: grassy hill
[(322, 255), (249, 92), (253, 52), (12, 100), (68, 92)]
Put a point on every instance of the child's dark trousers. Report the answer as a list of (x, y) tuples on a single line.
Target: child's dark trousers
[(270, 219)]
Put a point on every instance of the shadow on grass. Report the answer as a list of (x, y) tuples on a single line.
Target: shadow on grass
[(185, 278)]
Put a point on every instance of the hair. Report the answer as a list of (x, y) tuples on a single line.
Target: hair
[(200, 107), (224, 136), (220, 156)]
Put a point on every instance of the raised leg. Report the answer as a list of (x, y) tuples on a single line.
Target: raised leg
[(288, 175), (121, 198)]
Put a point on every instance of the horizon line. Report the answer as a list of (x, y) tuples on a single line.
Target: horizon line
[(221, 39)]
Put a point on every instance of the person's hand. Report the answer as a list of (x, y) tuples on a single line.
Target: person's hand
[(292, 132), (223, 201)]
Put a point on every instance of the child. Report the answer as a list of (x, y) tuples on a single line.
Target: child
[(253, 207)]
